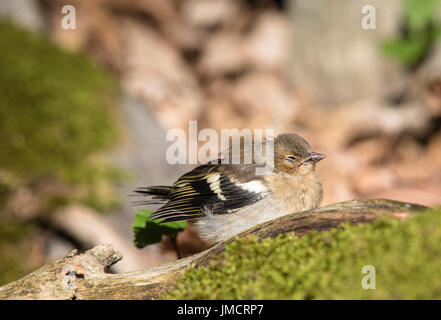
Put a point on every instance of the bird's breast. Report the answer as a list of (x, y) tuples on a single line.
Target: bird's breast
[(296, 193)]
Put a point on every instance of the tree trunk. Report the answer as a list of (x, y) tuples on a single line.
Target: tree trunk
[(334, 60), (83, 276)]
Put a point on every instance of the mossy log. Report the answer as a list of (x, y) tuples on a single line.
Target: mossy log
[(83, 276)]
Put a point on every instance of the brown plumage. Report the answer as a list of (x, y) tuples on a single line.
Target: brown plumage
[(226, 199)]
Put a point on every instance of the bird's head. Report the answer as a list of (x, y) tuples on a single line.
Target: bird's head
[(293, 154)]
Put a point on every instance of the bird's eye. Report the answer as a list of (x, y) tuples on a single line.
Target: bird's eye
[(290, 158)]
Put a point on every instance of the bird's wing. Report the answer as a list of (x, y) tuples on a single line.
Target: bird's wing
[(216, 188)]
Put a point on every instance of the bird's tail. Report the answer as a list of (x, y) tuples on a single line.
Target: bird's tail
[(160, 194)]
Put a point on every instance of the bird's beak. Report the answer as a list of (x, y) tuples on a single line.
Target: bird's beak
[(315, 157)]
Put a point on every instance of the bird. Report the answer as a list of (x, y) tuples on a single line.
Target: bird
[(224, 199)]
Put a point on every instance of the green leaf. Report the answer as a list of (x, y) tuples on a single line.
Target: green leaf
[(421, 30), (148, 231), (420, 12), (405, 51)]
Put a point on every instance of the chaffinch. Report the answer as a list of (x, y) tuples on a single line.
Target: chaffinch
[(226, 199)]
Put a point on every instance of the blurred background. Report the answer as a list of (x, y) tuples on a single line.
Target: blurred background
[(84, 112)]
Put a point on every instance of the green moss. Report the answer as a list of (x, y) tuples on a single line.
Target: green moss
[(56, 113), (406, 256)]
